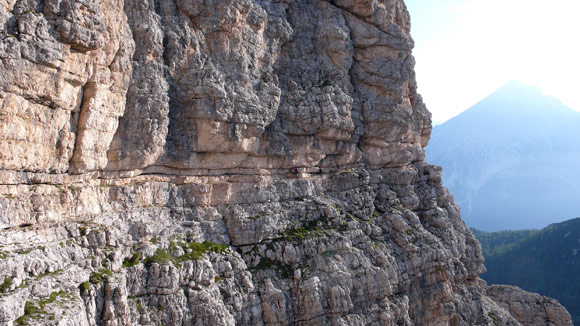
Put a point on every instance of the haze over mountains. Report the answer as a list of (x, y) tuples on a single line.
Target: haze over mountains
[(511, 160)]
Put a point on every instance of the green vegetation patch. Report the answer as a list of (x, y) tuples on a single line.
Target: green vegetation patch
[(352, 217), (30, 311), (26, 251), (36, 310), (85, 286), (303, 232), (329, 253), (100, 276), (161, 257), (131, 261), (493, 317), (45, 274), (194, 251), (6, 284), (285, 270), (255, 217), (199, 249), (54, 296)]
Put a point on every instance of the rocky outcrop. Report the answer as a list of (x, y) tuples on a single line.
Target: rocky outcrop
[(529, 308), (219, 163)]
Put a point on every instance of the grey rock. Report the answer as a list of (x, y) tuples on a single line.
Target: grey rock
[(529, 308), (224, 163)]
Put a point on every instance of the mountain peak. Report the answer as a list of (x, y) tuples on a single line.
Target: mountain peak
[(517, 87), (515, 101), (509, 159)]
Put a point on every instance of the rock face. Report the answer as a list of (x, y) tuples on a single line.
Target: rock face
[(529, 308), (223, 163)]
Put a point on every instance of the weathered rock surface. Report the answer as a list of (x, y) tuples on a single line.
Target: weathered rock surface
[(220, 163), (529, 308)]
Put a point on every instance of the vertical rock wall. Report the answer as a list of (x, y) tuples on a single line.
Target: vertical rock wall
[(229, 162)]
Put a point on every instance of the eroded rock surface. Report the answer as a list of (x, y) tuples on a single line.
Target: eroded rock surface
[(529, 308), (236, 162)]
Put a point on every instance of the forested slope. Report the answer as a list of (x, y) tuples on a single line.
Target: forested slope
[(546, 261)]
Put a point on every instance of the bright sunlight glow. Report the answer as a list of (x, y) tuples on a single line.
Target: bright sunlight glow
[(465, 49)]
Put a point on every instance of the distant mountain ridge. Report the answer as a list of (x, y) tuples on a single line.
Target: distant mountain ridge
[(511, 160), (545, 261)]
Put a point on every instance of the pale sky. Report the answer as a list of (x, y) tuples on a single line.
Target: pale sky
[(465, 49)]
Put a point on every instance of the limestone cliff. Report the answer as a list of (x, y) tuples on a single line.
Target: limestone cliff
[(232, 162), (529, 308)]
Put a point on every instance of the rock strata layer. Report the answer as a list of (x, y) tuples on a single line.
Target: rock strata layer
[(236, 162)]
